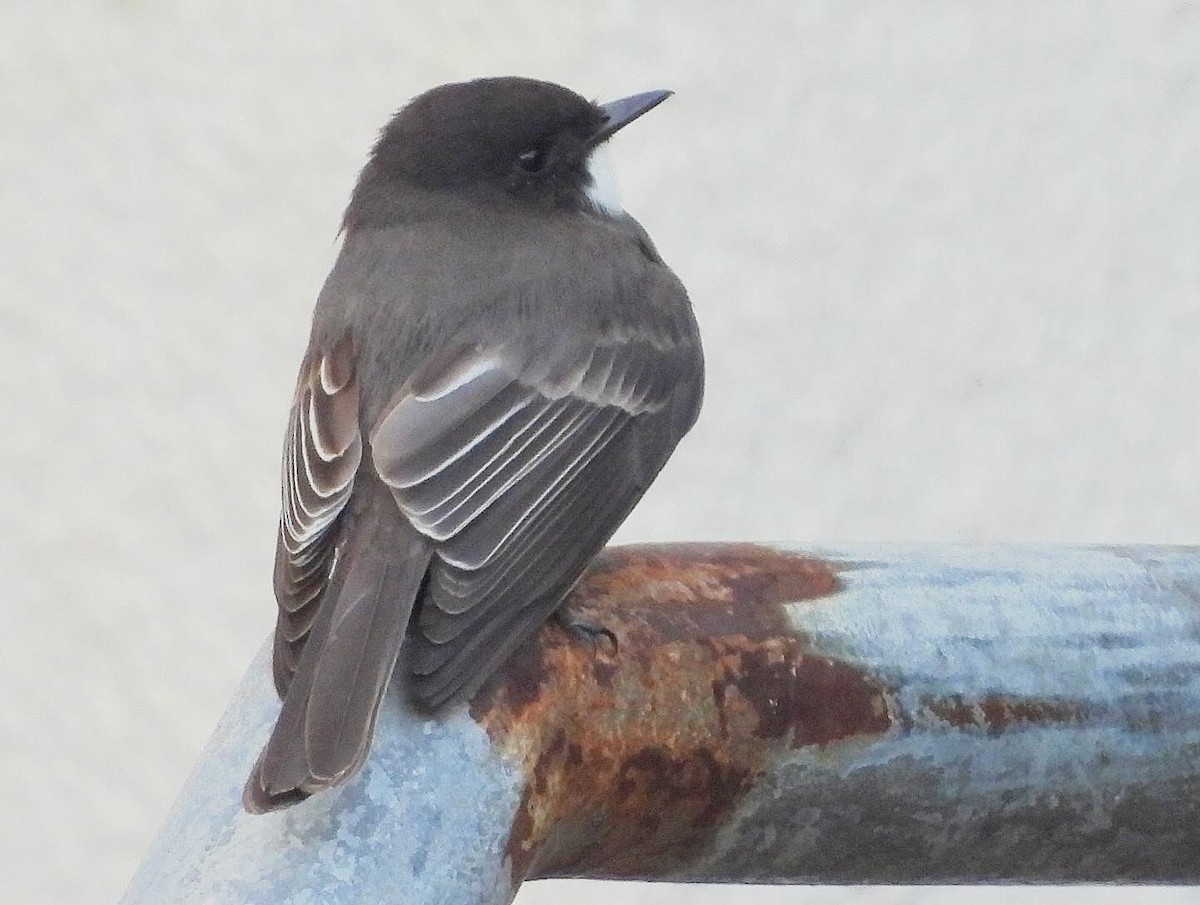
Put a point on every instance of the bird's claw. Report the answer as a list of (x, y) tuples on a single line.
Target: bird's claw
[(588, 632)]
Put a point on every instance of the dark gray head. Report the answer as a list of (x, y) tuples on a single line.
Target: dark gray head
[(508, 141)]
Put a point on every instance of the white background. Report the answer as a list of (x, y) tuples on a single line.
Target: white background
[(946, 258)]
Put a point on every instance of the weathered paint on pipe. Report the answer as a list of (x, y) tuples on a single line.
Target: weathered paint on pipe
[(637, 755), (882, 714), (924, 715)]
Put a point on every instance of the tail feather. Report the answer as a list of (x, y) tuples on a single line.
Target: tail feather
[(328, 717)]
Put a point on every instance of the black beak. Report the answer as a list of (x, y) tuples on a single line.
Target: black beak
[(626, 110)]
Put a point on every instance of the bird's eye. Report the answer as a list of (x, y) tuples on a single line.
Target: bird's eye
[(533, 161)]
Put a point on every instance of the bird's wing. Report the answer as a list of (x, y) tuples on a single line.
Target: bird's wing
[(321, 454), (519, 464), (345, 591)]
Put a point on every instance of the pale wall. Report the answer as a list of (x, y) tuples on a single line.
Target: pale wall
[(946, 257)]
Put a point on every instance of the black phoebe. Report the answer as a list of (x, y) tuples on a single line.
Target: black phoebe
[(500, 363)]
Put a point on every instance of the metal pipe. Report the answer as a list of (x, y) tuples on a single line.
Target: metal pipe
[(877, 714)]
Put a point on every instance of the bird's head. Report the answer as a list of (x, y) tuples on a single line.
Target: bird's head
[(499, 140)]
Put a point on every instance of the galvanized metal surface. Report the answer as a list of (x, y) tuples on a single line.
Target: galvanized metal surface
[(427, 821), (875, 714)]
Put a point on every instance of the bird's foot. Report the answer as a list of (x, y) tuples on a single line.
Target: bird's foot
[(582, 630)]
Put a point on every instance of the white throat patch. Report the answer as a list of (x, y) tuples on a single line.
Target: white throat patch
[(603, 190)]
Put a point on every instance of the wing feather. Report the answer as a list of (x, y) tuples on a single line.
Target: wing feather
[(530, 585), (321, 453), (518, 464)]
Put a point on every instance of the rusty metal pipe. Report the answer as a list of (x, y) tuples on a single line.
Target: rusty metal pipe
[(870, 715)]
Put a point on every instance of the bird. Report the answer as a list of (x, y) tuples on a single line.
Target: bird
[(499, 365)]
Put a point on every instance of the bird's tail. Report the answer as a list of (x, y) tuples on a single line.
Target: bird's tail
[(324, 729)]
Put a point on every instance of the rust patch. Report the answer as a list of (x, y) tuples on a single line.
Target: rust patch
[(633, 757), (997, 713), (811, 700), (704, 575), (525, 673)]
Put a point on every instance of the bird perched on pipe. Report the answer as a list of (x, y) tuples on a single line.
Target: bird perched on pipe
[(500, 363)]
